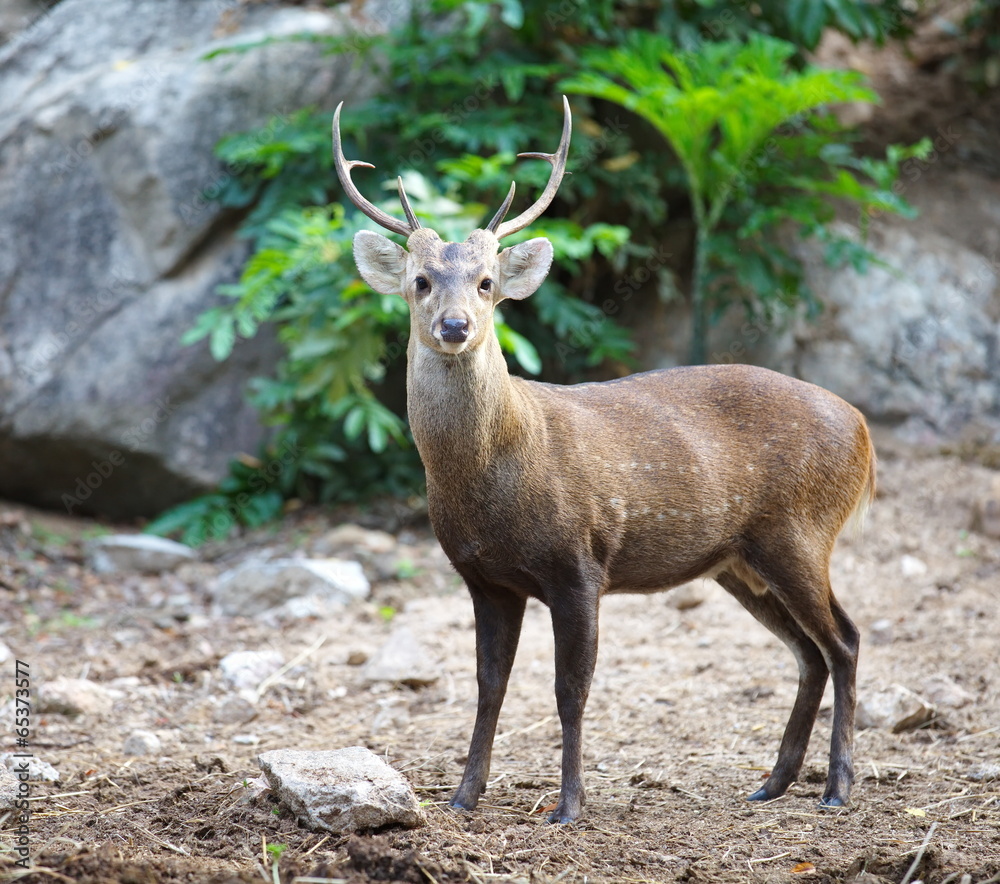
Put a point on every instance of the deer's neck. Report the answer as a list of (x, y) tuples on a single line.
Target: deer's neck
[(463, 410)]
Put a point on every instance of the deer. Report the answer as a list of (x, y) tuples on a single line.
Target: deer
[(563, 493)]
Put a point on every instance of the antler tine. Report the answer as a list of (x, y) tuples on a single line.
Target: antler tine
[(414, 223), (558, 160), (344, 167), (499, 216)]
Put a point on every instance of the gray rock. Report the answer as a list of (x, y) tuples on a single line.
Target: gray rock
[(986, 511), (234, 709), (75, 696), (686, 597), (247, 669), (946, 693), (256, 587), (911, 566), (38, 771), (141, 742), (377, 551), (347, 790), (881, 632), (402, 660), (10, 789), (916, 343), (112, 250), (355, 540), (145, 553), (897, 709), (987, 772)]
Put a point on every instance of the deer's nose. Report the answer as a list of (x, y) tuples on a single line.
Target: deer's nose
[(454, 331)]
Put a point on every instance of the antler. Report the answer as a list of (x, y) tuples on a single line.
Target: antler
[(344, 167), (558, 160)]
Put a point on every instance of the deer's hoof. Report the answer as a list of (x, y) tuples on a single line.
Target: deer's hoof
[(460, 803), (761, 795), (832, 802)]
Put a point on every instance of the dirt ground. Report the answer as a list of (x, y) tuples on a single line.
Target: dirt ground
[(685, 716)]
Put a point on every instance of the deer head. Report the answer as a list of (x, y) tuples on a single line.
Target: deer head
[(452, 288)]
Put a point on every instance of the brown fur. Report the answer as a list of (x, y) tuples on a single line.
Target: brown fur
[(564, 493)]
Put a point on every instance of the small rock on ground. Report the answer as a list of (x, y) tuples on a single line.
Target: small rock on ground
[(75, 696), (881, 632), (234, 709), (911, 566), (354, 539), (686, 597), (141, 742), (945, 692), (247, 669), (346, 790), (9, 788), (38, 771), (402, 660), (256, 587), (986, 513), (146, 553), (897, 709)]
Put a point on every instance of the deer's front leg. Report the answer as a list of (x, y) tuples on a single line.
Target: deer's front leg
[(498, 627), (574, 623)]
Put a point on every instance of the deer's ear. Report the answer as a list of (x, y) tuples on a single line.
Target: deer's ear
[(380, 261), (523, 267)]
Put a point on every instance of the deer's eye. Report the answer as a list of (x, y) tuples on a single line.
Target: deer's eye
[(486, 285), (422, 284)]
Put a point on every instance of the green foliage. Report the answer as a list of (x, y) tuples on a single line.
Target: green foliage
[(466, 84), (758, 151)]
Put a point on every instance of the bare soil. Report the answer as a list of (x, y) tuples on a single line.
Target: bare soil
[(684, 719)]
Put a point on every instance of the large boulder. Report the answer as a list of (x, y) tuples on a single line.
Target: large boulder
[(915, 343), (108, 117)]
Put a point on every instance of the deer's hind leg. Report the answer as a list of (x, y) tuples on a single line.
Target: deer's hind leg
[(798, 577), (813, 673)]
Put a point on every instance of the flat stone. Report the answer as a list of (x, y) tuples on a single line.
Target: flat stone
[(943, 691), (247, 669), (911, 566), (344, 790), (881, 632), (686, 597), (144, 553), (234, 709), (141, 742), (256, 587), (402, 660), (38, 771), (75, 696), (354, 539), (897, 709)]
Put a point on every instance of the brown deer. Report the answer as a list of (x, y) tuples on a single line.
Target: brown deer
[(565, 493)]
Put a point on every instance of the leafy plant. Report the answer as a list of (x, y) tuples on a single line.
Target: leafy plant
[(758, 150)]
